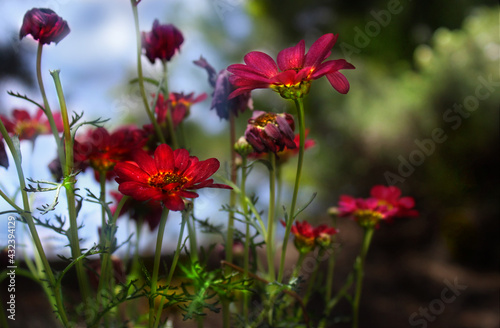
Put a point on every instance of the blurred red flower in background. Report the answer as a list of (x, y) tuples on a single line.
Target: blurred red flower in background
[(307, 237), (384, 204), (101, 150), (27, 127)]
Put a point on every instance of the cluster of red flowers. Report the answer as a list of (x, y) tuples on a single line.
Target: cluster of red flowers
[(385, 204), (166, 179), (307, 237)]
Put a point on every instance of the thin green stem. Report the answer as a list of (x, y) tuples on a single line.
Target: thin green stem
[(156, 266), (69, 184), (300, 114), (246, 256), (48, 112), (298, 265), (172, 267), (142, 90), (359, 268), (230, 220), (56, 295), (271, 217)]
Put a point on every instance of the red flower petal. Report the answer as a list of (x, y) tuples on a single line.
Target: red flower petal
[(130, 171), (339, 82), (320, 49), (164, 158), (293, 57), (145, 162), (261, 62), (174, 203)]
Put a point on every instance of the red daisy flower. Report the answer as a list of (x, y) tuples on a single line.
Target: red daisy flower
[(28, 127), (101, 150), (307, 237), (291, 76), (384, 204), (162, 42), (44, 25), (168, 177)]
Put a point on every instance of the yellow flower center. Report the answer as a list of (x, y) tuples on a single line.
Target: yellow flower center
[(368, 218), (161, 179)]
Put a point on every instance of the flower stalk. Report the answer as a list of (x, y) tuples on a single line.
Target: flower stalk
[(300, 114), (69, 184), (359, 268), (142, 90), (56, 295)]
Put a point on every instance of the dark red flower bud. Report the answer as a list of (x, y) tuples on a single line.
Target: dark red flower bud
[(270, 132), (162, 42), (44, 25)]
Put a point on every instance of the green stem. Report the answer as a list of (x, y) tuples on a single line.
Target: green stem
[(271, 217), (298, 265), (360, 263), (172, 267), (300, 114), (48, 112), (56, 295), (142, 90), (230, 221), (69, 184), (156, 266), (246, 256)]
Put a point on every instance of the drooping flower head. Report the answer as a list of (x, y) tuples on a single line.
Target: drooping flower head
[(291, 76), (287, 153), (145, 212), (270, 132), (44, 25), (101, 150), (162, 42), (307, 237), (222, 89), (28, 127), (384, 205), (168, 177)]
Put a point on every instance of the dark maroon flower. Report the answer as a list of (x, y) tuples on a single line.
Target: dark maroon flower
[(222, 88), (44, 25), (162, 42), (270, 132)]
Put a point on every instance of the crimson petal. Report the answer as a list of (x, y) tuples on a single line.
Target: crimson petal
[(293, 57)]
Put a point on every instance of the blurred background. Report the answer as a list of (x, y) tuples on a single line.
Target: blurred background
[(422, 114)]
